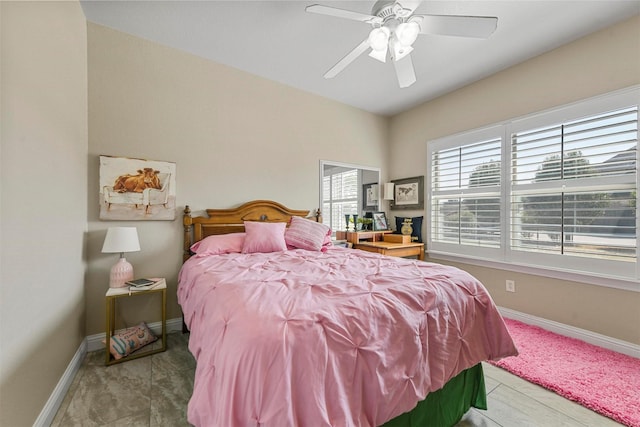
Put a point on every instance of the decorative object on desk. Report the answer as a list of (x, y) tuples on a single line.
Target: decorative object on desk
[(137, 189), (366, 222), (129, 340), (416, 227), (396, 238), (347, 219), (379, 221), (121, 240), (408, 193), (406, 228), (388, 191), (370, 197), (354, 218)]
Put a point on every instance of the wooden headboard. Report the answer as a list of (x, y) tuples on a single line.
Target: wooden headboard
[(224, 221)]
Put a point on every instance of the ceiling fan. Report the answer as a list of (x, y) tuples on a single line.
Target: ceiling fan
[(396, 28)]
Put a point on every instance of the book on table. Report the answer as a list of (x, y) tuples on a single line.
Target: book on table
[(144, 284)]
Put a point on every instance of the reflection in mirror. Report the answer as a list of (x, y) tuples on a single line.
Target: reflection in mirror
[(347, 189)]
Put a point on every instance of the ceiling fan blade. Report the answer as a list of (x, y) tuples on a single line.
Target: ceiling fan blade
[(411, 5), (405, 72), (461, 26), (341, 13), (348, 59)]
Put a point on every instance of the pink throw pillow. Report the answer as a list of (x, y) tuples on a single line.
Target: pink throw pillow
[(219, 244), (328, 243), (307, 234), (264, 237)]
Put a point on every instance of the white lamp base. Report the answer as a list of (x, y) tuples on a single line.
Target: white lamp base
[(121, 272)]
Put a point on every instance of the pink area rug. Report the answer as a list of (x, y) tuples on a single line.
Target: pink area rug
[(599, 379)]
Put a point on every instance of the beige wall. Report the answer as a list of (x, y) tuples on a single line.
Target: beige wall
[(235, 137), (43, 200), (596, 64)]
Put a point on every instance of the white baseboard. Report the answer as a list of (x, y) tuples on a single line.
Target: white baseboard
[(57, 396), (90, 343), (594, 338)]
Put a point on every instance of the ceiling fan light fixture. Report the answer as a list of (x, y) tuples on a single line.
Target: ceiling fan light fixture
[(380, 55), (399, 50), (395, 30), (407, 32), (379, 38)]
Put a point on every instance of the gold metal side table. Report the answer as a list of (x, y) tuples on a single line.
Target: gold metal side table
[(112, 295)]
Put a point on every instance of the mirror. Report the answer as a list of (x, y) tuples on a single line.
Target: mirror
[(347, 189)]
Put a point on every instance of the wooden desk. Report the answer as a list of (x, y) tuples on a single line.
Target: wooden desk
[(393, 249), (356, 237)]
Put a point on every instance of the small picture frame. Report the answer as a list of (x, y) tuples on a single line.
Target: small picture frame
[(408, 193), (380, 221), (370, 197)]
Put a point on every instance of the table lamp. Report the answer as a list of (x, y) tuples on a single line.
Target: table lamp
[(121, 239), (388, 191)]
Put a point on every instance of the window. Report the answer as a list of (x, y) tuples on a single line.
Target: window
[(339, 196), (573, 187), (465, 202), (555, 190)]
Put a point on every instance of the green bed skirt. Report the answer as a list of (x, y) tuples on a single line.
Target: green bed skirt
[(445, 407)]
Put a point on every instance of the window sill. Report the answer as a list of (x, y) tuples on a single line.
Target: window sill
[(574, 276)]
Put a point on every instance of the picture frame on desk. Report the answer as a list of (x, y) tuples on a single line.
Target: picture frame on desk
[(380, 221), (408, 193)]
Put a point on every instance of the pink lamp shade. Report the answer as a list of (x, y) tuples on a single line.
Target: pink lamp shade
[(121, 240)]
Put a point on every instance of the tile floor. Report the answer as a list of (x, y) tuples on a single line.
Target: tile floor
[(150, 391), (154, 391)]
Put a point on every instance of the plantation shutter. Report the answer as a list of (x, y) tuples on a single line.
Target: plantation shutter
[(340, 197), (465, 194), (573, 187)]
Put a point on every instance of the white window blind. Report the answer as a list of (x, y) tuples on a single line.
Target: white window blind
[(465, 195), (340, 196), (573, 187)]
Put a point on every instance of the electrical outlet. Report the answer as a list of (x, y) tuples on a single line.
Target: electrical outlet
[(511, 285)]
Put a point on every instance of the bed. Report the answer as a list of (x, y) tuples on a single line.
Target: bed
[(315, 335)]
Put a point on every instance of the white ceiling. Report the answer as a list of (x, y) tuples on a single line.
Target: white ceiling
[(279, 41)]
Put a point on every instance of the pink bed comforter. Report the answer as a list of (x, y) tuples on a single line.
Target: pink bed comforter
[(341, 338)]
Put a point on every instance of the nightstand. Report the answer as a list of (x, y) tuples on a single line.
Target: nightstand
[(111, 297)]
